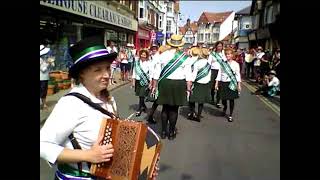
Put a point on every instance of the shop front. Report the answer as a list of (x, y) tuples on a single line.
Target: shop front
[(63, 23), (142, 38)]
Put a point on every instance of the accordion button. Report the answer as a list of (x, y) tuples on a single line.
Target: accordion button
[(110, 129), (107, 126), (110, 139), (109, 133)]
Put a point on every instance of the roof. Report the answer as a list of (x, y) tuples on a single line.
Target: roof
[(185, 28), (182, 30), (244, 11), (214, 17), (227, 38)]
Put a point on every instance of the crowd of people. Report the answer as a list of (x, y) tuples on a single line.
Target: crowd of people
[(169, 76)]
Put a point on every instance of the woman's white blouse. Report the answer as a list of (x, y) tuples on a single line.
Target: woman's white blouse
[(69, 115), (182, 72), (146, 66)]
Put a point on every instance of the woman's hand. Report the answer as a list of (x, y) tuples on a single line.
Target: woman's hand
[(100, 153), (239, 87)]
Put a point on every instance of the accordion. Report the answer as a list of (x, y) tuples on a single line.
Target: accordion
[(136, 150)]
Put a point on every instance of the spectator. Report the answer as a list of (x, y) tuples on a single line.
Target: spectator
[(270, 85), (249, 57), (123, 56), (45, 66), (256, 64), (111, 48)]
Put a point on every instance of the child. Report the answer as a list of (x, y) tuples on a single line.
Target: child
[(141, 78), (229, 79)]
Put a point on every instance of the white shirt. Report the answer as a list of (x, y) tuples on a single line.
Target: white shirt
[(274, 82), (222, 76), (182, 72), (248, 57), (197, 66), (72, 115), (146, 66), (44, 70), (214, 63)]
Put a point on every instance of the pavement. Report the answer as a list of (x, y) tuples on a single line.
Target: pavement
[(246, 149)]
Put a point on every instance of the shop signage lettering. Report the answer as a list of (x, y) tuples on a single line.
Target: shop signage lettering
[(143, 34), (92, 10)]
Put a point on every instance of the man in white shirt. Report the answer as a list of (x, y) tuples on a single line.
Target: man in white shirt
[(270, 85), (45, 67)]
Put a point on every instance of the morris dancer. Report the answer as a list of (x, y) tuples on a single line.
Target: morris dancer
[(171, 75), (215, 66), (141, 78), (201, 74), (230, 80)]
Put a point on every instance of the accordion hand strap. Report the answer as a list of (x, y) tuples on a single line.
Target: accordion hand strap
[(85, 99)]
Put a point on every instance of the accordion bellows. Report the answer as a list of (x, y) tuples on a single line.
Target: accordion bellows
[(129, 141)]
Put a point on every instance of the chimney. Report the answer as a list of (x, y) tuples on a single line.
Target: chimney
[(188, 22)]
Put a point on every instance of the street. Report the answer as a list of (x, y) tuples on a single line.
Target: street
[(247, 149)]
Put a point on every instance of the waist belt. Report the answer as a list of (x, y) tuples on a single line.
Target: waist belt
[(67, 169)]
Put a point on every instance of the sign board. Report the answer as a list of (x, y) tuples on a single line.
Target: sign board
[(92, 10)]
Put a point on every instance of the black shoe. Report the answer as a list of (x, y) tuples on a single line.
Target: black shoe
[(197, 118), (218, 106), (230, 119), (172, 135), (191, 116), (163, 135), (151, 120), (138, 113)]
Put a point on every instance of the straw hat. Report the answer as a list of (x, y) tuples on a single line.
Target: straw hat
[(176, 40)]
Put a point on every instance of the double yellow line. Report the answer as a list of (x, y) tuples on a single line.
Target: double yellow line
[(272, 106)]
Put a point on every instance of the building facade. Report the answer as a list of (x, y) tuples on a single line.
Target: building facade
[(172, 15), (189, 32), (213, 27), (266, 24), (150, 16), (244, 26), (63, 23)]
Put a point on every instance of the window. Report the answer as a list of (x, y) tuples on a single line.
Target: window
[(207, 37), (270, 15), (215, 37), (141, 3), (160, 21), (141, 13), (168, 28), (169, 7), (131, 5), (201, 37)]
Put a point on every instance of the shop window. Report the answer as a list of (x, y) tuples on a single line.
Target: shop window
[(141, 13)]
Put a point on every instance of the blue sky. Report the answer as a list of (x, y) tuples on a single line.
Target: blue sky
[(193, 9)]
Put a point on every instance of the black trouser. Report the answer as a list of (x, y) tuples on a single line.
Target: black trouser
[(169, 112), (231, 106), (153, 109), (142, 105), (192, 106), (249, 70)]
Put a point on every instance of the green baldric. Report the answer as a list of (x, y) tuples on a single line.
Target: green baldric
[(144, 78), (227, 69), (169, 68), (203, 72)]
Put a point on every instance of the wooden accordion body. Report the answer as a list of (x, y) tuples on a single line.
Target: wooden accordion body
[(129, 142)]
